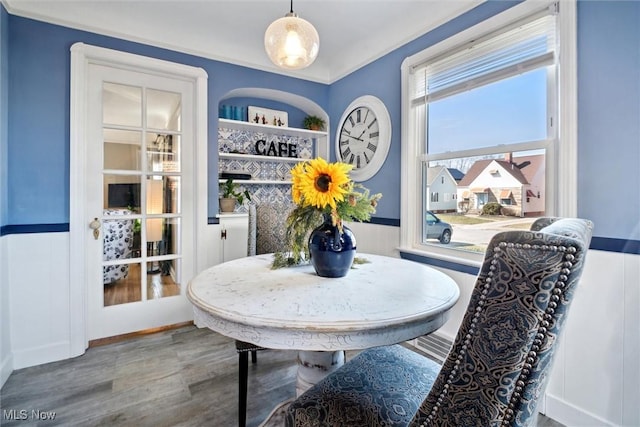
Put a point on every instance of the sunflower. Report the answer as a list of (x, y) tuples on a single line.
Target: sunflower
[(297, 172), (320, 184), (321, 191)]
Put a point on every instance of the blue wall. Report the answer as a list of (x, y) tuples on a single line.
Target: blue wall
[(608, 112), (4, 120), (609, 117), (39, 67)]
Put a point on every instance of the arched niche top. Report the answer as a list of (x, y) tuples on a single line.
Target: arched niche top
[(304, 104)]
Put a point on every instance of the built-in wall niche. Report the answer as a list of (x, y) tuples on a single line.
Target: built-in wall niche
[(265, 152), (268, 177), (238, 109)]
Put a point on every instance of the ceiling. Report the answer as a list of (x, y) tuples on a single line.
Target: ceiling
[(352, 32)]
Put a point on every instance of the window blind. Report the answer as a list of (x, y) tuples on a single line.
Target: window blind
[(516, 49)]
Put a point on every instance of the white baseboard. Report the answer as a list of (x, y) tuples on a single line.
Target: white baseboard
[(43, 354), (6, 368), (571, 416)]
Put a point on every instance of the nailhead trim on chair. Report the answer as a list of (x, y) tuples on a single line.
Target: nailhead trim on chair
[(540, 338)]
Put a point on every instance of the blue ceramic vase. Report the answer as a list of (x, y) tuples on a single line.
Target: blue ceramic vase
[(332, 252)]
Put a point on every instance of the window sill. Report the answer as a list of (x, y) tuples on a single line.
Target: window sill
[(449, 259)]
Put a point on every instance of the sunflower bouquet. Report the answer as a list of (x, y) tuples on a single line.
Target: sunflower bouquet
[(321, 190)]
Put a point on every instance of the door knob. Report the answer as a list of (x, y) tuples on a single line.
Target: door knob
[(95, 226)]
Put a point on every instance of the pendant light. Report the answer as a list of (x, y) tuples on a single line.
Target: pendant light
[(291, 42)]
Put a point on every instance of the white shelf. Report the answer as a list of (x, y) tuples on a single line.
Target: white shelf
[(258, 181), (231, 215), (258, 158), (320, 146), (275, 130)]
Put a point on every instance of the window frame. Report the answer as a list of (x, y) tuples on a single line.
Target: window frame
[(562, 199)]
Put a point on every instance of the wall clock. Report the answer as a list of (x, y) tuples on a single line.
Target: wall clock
[(364, 136)]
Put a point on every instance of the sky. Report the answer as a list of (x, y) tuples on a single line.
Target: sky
[(510, 110)]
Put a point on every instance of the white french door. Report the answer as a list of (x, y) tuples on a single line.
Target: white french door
[(139, 200)]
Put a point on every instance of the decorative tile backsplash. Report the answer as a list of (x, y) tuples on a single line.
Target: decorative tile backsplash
[(258, 169), (244, 142)]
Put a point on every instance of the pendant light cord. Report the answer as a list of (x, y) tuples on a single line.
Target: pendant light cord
[(291, 6)]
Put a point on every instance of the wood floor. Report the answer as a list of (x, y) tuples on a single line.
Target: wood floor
[(181, 377), (128, 289)]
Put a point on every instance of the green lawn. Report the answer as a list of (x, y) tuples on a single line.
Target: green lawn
[(462, 219), (522, 226), (473, 248), (453, 218)]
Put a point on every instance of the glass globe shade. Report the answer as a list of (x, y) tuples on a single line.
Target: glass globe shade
[(291, 42)]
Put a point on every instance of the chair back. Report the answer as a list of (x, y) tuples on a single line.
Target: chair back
[(118, 244), (501, 357), (271, 226)]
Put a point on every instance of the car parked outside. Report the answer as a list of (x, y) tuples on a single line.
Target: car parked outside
[(437, 229)]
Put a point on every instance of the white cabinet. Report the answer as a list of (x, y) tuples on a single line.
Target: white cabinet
[(234, 236)]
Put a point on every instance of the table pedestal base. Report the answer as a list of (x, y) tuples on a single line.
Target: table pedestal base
[(314, 366)]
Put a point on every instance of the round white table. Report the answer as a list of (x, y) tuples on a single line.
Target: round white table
[(382, 302)]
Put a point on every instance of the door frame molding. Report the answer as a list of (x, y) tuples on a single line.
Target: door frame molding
[(82, 56)]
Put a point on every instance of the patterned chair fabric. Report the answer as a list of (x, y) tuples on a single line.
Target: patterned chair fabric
[(271, 226), (251, 245), (501, 357), (118, 244)]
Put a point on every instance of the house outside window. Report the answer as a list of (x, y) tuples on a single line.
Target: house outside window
[(486, 107)]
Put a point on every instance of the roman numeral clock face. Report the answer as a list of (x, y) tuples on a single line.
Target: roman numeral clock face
[(363, 137), (359, 137)]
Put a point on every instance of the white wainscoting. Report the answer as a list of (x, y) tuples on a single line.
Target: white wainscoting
[(376, 239), (35, 279), (39, 297), (6, 356), (595, 378)]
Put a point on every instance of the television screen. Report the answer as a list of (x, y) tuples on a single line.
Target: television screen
[(124, 195)]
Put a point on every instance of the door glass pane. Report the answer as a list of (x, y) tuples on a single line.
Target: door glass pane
[(118, 235), (124, 289), (172, 194), (122, 149), (121, 105), (155, 196), (121, 192), (163, 194), (162, 282), (163, 152), (162, 236), (172, 236), (163, 110)]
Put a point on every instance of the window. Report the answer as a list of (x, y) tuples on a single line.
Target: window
[(485, 104)]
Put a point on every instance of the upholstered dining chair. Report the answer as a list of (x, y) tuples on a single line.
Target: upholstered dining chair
[(501, 357), (118, 244), (267, 228)]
